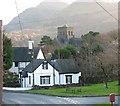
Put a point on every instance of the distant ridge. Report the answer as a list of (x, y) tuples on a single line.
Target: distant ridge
[(31, 16), (47, 16)]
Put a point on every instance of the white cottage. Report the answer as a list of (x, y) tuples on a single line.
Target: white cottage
[(48, 73), (22, 58)]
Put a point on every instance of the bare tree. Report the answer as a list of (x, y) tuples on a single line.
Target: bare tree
[(98, 57)]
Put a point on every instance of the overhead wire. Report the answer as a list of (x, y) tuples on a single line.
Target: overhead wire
[(106, 11), (27, 22), (18, 17), (39, 20), (20, 24)]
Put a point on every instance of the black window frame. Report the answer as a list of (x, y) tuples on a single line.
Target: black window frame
[(29, 80), (41, 78), (16, 64), (67, 79), (45, 65), (69, 33)]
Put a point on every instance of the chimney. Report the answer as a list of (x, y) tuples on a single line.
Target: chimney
[(30, 44)]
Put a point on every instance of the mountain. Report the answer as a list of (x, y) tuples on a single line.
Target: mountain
[(86, 16), (32, 17), (46, 17)]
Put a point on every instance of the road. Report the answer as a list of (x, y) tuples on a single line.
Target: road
[(23, 98)]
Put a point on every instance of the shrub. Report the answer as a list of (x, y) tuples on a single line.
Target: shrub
[(10, 79)]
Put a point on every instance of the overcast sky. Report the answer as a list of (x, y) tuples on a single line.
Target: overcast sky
[(8, 8)]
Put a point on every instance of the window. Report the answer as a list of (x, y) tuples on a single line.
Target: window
[(68, 79), (45, 65), (29, 79), (44, 79), (60, 33), (69, 33), (16, 64), (63, 33)]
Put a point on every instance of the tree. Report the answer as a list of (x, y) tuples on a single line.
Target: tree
[(97, 59), (46, 40), (48, 46), (107, 60), (7, 52), (65, 52), (10, 79), (72, 50), (84, 57), (97, 49), (106, 66)]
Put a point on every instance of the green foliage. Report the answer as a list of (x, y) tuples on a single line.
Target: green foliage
[(10, 80), (8, 52), (72, 49), (66, 52), (90, 39), (93, 61), (90, 34), (96, 89), (97, 49), (90, 48), (46, 40), (105, 104), (90, 44)]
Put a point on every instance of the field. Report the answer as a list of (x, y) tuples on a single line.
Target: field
[(96, 89)]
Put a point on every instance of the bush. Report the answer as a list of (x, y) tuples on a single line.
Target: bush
[(36, 87), (10, 80), (40, 87)]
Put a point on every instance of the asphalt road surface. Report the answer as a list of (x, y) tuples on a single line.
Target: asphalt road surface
[(23, 98)]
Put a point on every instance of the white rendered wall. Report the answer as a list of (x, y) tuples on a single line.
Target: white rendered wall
[(49, 72), (29, 85), (20, 67), (13, 68), (40, 55), (42, 72), (23, 64), (75, 78), (24, 82), (59, 78)]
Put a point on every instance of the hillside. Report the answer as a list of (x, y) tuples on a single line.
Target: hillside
[(33, 17), (83, 16)]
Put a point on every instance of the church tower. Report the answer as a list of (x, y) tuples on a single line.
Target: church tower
[(65, 33)]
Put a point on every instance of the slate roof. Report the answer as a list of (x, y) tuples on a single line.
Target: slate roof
[(36, 64), (21, 54), (75, 41), (63, 66)]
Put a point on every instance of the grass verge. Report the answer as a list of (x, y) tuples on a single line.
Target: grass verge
[(96, 89), (103, 104)]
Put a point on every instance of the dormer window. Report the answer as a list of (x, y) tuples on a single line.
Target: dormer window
[(45, 65)]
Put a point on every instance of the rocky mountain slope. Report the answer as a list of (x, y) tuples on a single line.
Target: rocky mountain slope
[(46, 17), (33, 17)]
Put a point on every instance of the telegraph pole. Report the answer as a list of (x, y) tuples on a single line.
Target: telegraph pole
[(1, 60)]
